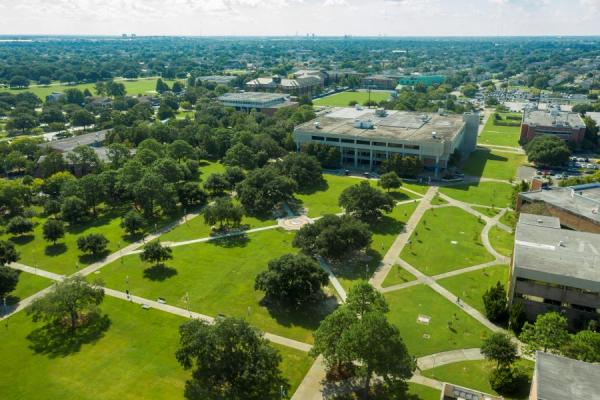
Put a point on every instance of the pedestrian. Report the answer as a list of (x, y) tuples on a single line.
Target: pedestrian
[(457, 300), (127, 292)]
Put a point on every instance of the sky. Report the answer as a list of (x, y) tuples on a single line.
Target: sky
[(301, 17)]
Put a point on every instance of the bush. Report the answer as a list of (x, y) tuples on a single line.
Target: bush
[(507, 380)]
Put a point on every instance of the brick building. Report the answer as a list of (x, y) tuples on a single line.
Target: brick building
[(567, 126)]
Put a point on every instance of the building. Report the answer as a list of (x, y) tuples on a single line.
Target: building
[(218, 79), (568, 126), (561, 378), (427, 80), (367, 137), (577, 207), (307, 85), (264, 102), (380, 82), (55, 96), (555, 269), (455, 392)]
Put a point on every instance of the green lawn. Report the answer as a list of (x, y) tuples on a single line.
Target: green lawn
[(484, 193), (490, 212), (502, 241), (219, 278), (385, 232), (64, 257), (474, 375), (133, 358), (431, 248), (471, 286), (397, 275), (210, 167), (407, 304), (510, 218), (416, 187), (133, 87), (28, 284), (423, 392), (499, 135), (493, 164), (343, 99)]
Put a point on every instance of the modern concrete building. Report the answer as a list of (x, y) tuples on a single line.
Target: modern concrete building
[(265, 102), (577, 207), (561, 378), (367, 137), (555, 269), (455, 392), (381, 82), (307, 85), (568, 126)]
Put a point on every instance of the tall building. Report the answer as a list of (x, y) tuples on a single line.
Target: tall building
[(367, 137), (555, 269), (567, 126)]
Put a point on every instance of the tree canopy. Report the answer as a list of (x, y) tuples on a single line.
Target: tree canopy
[(366, 202)]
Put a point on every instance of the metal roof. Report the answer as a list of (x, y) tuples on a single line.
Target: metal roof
[(560, 378)]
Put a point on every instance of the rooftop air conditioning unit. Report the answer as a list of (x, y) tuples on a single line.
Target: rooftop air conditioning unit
[(317, 125), (434, 135)]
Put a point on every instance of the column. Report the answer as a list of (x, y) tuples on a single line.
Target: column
[(355, 157)]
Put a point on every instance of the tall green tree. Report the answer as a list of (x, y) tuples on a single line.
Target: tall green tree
[(548, 151), (390, 180), (548, 333), (366, 202), (53, 230), (155, 253), (224, 212), (302, 168), (19, 225), (263, 189), (499, 347), (9, 278), (584, 346), (495, 302)]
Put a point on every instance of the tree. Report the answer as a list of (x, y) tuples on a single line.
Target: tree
[(408, 166), (180, 149), (165, 112), (73, 209), (224, 212), (53, 230), (155, 253), (363, 298), (302, 168), (263, 189), (19, 225), (132, 222), (74, 96), (548, 150), (9, 278), (83, 118), (72, 299), (118, 154), (115, 89), (177, 87), (190, 194), (366, 202), (390, 180), (234, 175), (161, 86), (548, 333), (21, 121), (216, 184), (54, 184), (52, 163), (333, 237), (18, 82), (328, 156), (499, 347), (8, 253), (584, 346), (240, 155), (84, 159), (92, 191), (94, 243), (229, 360), (292, 279), (494, 300)]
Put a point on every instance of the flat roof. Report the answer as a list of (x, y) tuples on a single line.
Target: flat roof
[(582, 200), (68, 144), (558, 252), (256, 97), (539, 220), (553, 118), (560, 378), (399, 125)]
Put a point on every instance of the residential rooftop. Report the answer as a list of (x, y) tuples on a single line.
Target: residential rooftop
[(560, 378), (553, 118), (392, 125), (562, 256)]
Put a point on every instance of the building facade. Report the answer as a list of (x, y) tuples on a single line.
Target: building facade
[(367, 137), (567, 126), (305, 85), (555, 269), (380, 82), (267, 103)]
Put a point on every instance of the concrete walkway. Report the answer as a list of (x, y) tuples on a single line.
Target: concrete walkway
[(333, 279), (396, 247), (448, 357)]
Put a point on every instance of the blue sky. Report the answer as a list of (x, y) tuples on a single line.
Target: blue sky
[(290, 17)]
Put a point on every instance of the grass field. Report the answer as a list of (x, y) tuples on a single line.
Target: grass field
[(499, 135), (470, 286), (449, 328), (490, 212), (397, 275), (509, 218), (133, 358), (484, 193), (493, 164), (474, 374), (431, 248), (219, 278), (502, 241), (423, 392), (343, 99), (28, 284), (133, 87)]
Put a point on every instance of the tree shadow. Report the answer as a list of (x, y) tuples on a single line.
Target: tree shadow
[(399, 196), (356, 267), (159, 272), (387, 225), (320, 186), (56, 340), (240, 240), (91, 258), (101, 219), (309, 316), (22, 239), (55, 249), (475, 164)]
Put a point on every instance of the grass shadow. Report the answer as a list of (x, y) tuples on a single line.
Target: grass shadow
[(399, 196), (357, 267), (320, 186), (91, 258), (56, 340), (22, 240), (231, 241), (309, 316), (475, 164), (159, 272), (55, 249), (387, 225)]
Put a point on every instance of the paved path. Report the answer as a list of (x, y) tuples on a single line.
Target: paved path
[(310, 387), (333, 279), (466, 207), (448, 357), (396, 248)]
